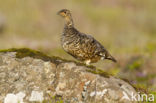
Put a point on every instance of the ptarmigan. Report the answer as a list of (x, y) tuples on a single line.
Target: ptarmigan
[(81, 46)]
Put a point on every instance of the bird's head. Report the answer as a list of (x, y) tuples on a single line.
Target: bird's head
[(64, 13), (68, 18)]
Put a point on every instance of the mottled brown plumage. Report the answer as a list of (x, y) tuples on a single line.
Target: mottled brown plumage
[(81, 46)]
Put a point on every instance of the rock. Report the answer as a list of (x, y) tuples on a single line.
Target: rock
[(36, 77)]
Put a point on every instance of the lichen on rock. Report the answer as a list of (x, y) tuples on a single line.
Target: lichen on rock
[(56, 79)]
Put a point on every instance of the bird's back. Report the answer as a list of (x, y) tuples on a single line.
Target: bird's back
[(81, 46)]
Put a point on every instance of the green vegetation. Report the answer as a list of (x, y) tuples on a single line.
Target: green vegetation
[(24, 52), (135, 64), (126, 28), (99, 72)]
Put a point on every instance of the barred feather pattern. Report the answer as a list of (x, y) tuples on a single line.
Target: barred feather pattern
[(81, 46)]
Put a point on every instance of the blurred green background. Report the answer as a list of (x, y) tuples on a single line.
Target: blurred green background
[(127, 28)]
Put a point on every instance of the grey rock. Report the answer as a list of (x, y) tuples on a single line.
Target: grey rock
[(39, 79)]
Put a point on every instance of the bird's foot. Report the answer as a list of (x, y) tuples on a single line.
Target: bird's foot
[(87, 62)]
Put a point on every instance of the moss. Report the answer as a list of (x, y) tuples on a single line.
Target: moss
[(25, 52), (99, 72), (114, 71), (141, 88), (137, 87)]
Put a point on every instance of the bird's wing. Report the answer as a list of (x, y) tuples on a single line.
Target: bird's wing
[(92, 45), (97, 48)]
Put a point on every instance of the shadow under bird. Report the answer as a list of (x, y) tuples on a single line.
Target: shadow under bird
[(81, 46)]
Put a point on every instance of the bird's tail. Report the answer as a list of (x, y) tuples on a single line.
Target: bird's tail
[(109, 57)]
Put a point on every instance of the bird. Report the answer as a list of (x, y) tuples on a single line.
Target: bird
[(81, 46)]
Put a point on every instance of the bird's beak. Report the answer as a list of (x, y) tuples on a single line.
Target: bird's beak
[(61, 14)]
